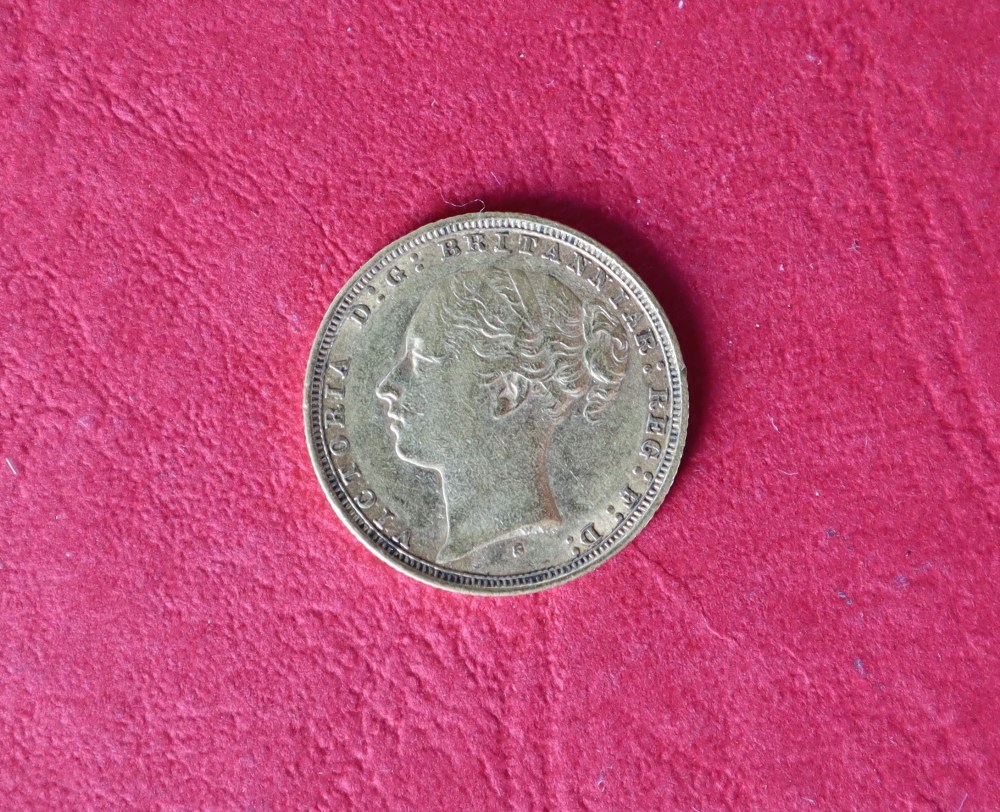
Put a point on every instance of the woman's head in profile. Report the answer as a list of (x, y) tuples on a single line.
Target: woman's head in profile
[(494, 361)]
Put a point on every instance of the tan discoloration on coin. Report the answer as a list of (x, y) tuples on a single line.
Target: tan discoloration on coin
[(495, 404)]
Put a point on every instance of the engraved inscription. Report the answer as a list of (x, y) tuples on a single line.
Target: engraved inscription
[(360, 313), (334, 416), (658, 400), (333, 395), (528, 244), (646, 340), (650, 449), (630, 497), (590, 534), (553, 253), (580, 264)]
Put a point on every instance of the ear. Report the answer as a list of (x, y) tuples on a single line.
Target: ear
[(508, 391)]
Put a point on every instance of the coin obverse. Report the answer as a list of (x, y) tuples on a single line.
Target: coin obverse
[(495, 404)]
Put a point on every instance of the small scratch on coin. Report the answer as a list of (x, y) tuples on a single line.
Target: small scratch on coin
[(10, 465), (479, 200), (773, 424), (788, 473), (572, 473), (961, 806)]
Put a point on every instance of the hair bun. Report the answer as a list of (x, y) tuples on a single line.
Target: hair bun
[(606, 356)]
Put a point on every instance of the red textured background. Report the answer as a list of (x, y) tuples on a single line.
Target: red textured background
[(811, 620)]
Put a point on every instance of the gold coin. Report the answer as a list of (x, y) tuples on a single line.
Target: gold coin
[(495, 404)]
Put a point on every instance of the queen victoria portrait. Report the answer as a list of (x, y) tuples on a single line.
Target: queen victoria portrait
[(494, 361)]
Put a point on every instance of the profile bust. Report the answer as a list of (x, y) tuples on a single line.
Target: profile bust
[(493, 362)]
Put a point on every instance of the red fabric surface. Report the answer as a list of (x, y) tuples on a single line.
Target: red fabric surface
[(810, 621)]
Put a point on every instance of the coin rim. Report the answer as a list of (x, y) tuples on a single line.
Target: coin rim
[(495, 590)]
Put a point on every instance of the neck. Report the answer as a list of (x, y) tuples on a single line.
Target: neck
[(505, 493)]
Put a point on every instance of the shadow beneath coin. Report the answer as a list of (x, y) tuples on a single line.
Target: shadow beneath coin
[(653, 266)]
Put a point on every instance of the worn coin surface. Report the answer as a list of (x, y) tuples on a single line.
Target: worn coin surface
[(495, 404)]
